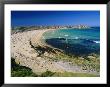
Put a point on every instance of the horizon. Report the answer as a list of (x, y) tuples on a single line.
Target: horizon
[(55, 18)]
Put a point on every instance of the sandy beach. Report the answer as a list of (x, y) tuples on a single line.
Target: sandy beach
[(25, 55)]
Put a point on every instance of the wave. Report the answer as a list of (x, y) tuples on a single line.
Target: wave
[(65, 35), (92, 41), (76, 37), (96, 41), (76, 40), (86, 40)]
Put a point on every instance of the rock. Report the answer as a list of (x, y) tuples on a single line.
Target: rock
[(81, 57), (51, 55), (17, 61), (46, 54), (90, 57)]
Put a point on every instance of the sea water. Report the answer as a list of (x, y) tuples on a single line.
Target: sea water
[(75, 41)]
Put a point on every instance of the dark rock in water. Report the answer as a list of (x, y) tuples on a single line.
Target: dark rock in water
[(59, 38), (62, 38), (75, 48)]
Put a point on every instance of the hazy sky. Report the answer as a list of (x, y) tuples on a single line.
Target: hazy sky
[(24, 18)]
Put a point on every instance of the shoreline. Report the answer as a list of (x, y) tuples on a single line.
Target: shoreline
[(26, 55), (36, 39)]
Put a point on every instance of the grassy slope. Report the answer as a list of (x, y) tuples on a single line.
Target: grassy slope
[(70, 74), (92, 63), (22, 71)]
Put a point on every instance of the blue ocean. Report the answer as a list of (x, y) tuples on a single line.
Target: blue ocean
[(75, 41)]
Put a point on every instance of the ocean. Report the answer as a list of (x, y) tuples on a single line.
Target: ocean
[(75, 41)]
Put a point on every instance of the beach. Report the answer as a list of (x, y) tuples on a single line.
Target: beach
[(28, 50)]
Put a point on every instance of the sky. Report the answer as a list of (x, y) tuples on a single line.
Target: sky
[(30, 18)]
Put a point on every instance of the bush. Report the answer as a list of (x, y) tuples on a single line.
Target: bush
[(47, 74), (20, 71)]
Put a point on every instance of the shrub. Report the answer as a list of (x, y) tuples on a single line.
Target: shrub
[(47, 74), (20, 71)]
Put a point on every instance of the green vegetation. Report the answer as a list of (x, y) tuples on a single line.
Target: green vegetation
[(47, 74), (22, 29), (70, 74), (91, 62), (20, 71), (25, 28)]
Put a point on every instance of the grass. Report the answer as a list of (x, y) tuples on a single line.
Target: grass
[(20, 71), (47, 74), (70, 74), (84, 62), (89, 62)]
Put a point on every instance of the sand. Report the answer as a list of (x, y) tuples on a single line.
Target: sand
[(25, 55)]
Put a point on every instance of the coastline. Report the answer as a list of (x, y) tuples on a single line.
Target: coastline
[(28, 50), (36, 39), (25, 55)]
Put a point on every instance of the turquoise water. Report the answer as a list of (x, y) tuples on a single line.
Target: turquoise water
[(75, 41)]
